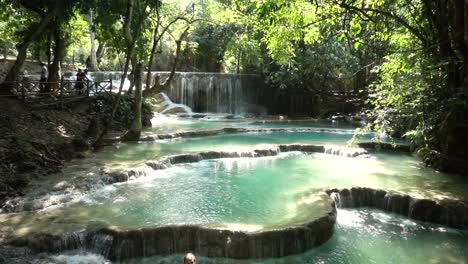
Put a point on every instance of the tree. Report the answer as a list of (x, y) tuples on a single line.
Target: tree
[(93, 62), (438, 30), (44, 14)]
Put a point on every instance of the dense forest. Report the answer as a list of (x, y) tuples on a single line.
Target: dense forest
[(407, 60)]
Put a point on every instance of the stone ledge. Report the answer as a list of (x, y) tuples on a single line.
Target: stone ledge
[(385, 146), (451, 213), (167, 162), (118, 245)]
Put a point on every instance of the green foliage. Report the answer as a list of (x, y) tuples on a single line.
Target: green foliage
[(124, 113), (406, 57)]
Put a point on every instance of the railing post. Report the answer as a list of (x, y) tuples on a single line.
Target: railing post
[(110, 85), (23, 95), (61, 92)]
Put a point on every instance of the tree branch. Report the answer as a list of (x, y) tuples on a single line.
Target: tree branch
[(364, 11)]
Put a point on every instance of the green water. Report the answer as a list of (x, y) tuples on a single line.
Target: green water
[(361, 236), (368, 236), (131, 153), (254, 194), (163, 124), (257, 194)]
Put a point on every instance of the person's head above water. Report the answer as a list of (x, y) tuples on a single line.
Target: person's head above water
[(190, 259)]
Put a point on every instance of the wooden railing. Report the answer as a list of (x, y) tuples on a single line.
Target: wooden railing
[(64, 90)]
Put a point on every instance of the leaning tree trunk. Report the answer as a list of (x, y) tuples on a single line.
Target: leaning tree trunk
[(6, 87), (135, 130), (93, 66)]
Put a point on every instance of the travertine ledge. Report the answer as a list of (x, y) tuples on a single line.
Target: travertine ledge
[(120, 245), (451, 213)]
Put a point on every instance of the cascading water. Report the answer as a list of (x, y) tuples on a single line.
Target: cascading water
[(115, 77), (206, 92), (214, 92)]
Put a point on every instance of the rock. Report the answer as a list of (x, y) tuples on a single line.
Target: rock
[(234, 130), (341, 118), (176, 109), (62, 186), (163, 104), (184, 158), (159, 164), (265, 152), (80, 144), (214, 155), (94, 127), (198, 116), (385, 146), (303, 148), (118, 177)]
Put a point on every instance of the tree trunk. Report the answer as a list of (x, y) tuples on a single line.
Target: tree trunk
[(153, 53), (49, 47), (161, 87), (59, 54), (131, 77), (5, 54), (6, 87), (135, 130), (239, 54), (100, 52), (158, 87), (460, 32), (131, 41), (93, 64)]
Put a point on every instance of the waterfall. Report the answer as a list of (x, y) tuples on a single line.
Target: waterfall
[(206, 91), (337, 199), (346, 152), (214, 92), (116, 78)]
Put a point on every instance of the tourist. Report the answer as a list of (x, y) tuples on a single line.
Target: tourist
[(87, 79), (79, 82), (44, 75), (190, 259)]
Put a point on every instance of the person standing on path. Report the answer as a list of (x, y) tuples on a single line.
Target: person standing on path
[(44, 76), (79, 85)]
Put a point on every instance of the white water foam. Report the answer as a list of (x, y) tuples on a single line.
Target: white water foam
[(81, 258)]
